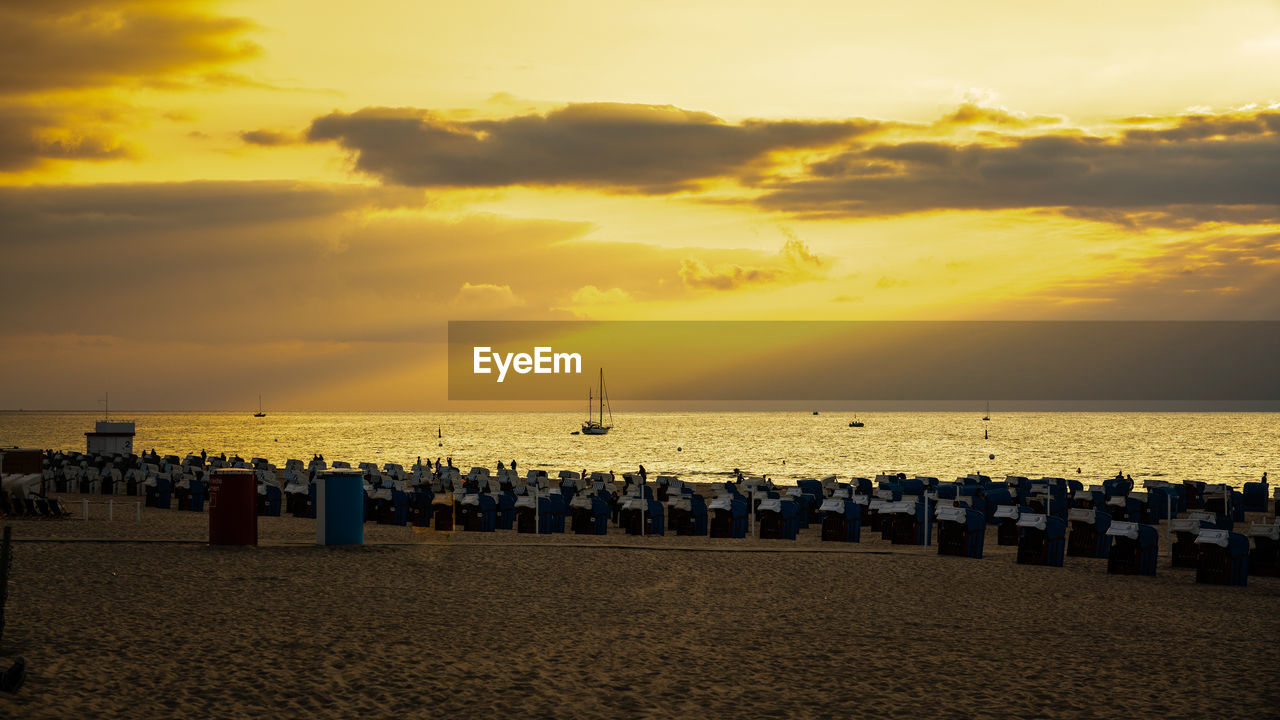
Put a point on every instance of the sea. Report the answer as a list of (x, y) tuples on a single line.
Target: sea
[(1225, 447)]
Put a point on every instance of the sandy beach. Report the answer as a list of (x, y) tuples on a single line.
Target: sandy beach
[(129, 619)]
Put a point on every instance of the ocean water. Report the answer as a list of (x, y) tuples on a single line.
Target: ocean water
[(703, 446)]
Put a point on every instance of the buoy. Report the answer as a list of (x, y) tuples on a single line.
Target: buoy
[(992, 456), (679, 449), (439, 444)]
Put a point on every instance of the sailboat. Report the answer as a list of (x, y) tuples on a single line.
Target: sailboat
[(598, 426), (259, 413), (987, 414)]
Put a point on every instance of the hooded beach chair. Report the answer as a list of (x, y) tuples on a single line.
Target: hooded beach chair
[(1254, 497), (1224, 558), (727, 517), (1186, 553), (198, 494), (528, 518), (1088, 533), (1088, 499), (590, 515), (994, 497), (1264, 558), (905, 523), (638, 512), (1134, 548), (773, 516), (687, 514), (961, 531), (274, 499), (1006, 516), (841, 520), (483, 511), (442, 512), (1224, 502), (163, 493), (1194, 493), (1042, 540), (399, 508)]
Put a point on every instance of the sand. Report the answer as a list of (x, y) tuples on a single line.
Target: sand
[(426, 624)]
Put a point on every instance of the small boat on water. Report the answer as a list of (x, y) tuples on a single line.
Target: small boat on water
[(856, 422), (595, 425), (259, 413), (987, 415)]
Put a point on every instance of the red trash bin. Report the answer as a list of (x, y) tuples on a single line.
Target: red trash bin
[(233, 507)]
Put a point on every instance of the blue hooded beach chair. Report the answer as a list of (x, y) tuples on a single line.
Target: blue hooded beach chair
[(198, 495), (553, 511), (1186, 553), (164, 493), (1254, 497), (1042, 540), (1134, 548), (274, 501), (777, 519), (727, 517), (907, 523), (1264, 558), (841, 520), (1116, 487), (687, 514), (589, 515), (529, 510), (1224, 558), (1006, 517), (993, 498), (961, 531), (485, 518), (420, 507), (1088, 533)]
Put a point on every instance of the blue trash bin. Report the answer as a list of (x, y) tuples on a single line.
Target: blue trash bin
[(339, 508)]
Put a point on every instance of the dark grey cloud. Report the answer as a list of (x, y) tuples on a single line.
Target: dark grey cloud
[(37, 213), (1198, 170), (51, 47), (268, 138), (636, 148), (29, 135), (90, 43)]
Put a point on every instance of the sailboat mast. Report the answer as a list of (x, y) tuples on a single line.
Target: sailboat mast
[(601, 396)]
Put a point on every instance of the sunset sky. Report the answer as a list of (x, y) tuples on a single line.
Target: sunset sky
[(204, 201)]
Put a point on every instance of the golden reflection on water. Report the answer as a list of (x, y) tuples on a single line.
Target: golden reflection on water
[(1212, 447)]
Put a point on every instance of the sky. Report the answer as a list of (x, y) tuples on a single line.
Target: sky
[(201, 202)]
